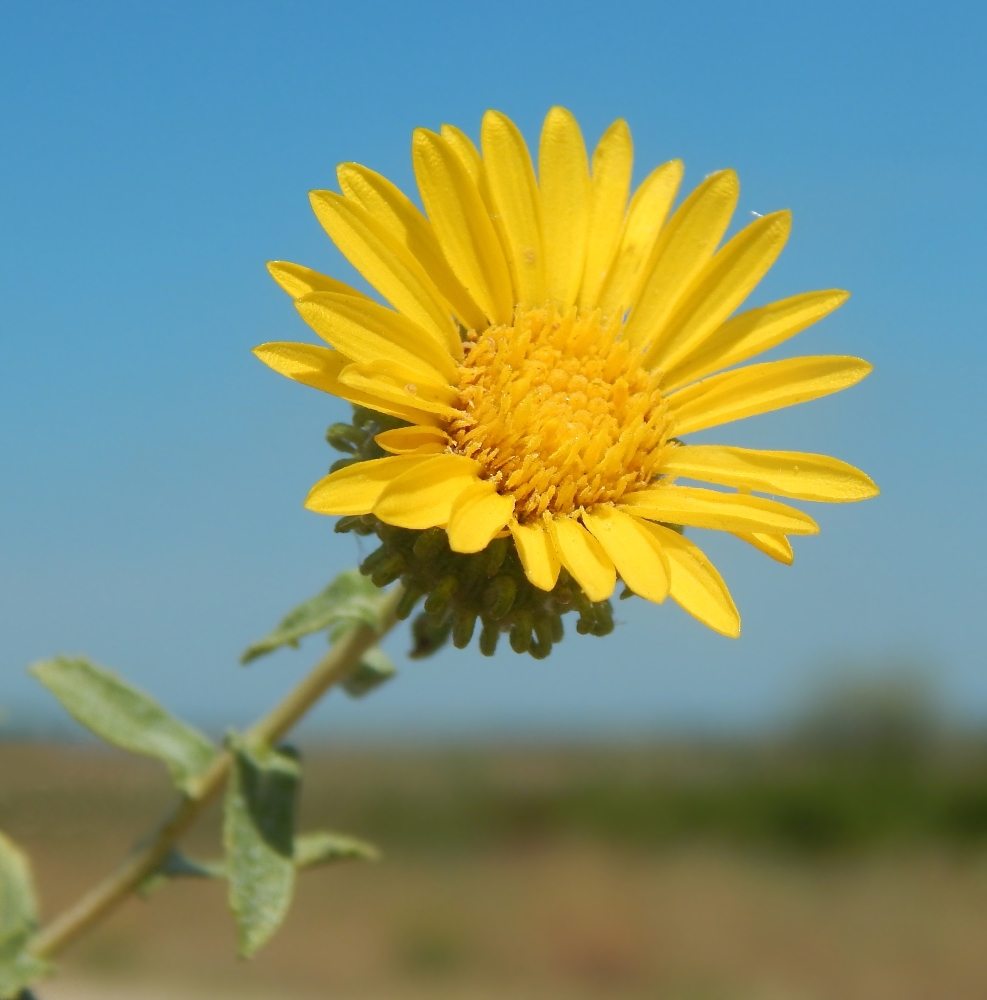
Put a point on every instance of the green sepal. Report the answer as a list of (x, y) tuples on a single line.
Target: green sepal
[(18, 921), (350, 598), (122, 715), (324, 848), (258, 837)]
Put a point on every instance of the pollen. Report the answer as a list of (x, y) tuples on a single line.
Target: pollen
[(559, 411)]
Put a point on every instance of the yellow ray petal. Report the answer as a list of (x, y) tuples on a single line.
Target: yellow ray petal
[(746, 392), (635, 551), (537, 554), (355, 489), (477, 515), (751, 333), (401, 386), (395, 211), (795, 474), (517, 206), (584, 557), (720, 288), (645, 217), (402, 440), (320, 368), (696, 585), (682, 250), (365, 331), (613, 160), (385, 263), (462, 226), (463, 146), (563, 175), (423, 496), (298, 280), (699, 508), (778, 547)]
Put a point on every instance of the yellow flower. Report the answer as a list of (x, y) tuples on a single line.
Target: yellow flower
[(549, 346)]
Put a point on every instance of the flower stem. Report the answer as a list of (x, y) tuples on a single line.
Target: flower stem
[(109, 893)]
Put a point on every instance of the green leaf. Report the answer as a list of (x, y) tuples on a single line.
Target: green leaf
[(375, 668), (18, 904), (19, 970), (126, 717), (351, 597), (179, 865), (18, 921), (313, 849), (258, 834)]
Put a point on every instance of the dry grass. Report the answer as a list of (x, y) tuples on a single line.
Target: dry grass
[(557, 915)]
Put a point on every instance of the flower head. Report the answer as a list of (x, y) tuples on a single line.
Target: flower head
[(549, 347)]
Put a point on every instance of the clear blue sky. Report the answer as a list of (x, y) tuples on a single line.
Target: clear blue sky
[(155, 155)]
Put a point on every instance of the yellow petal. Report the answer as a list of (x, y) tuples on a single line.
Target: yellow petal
[(477, 515), (395, 211), (645, 217), (682, 250), (355, 489), (778, 547), (517, 206), (584, 557), (634, 549), (563, 174), (365, 331), (746, 392), (385, 263), (751, 333), (321, 367), (720, 288), (423, 496), (402, 386), (462, 145), (297, 280), (795, 474), (402, 440), (612, 163), (698, 508), (462, 226), (537, 554), (696, 585)]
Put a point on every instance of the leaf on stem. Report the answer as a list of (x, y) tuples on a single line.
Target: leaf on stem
[(18, 921), (179, 865), (258, 835), (126, 717), (325, 848), (351, 598), (375, 667)]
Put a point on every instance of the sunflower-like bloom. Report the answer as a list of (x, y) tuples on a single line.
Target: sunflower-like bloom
[(550, 344)]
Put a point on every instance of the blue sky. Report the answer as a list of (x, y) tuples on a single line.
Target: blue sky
[(156, 155)]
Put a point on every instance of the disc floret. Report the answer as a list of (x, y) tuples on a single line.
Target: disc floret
[(559, 411)]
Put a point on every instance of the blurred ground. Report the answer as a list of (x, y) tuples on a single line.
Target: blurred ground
[(788, 871)]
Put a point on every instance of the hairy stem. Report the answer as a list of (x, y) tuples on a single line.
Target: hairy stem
[(109, 893)]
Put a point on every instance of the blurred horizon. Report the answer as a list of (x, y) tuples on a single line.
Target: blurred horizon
[(150, 505)]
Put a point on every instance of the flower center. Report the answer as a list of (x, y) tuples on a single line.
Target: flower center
[(559, 411)]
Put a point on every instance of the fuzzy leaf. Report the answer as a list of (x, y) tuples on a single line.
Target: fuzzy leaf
[(179, 865), (18, 920), (126, 717), (18, 970), (375, 667), (18, 905), (324, 848), (351, 597), (258, 834)]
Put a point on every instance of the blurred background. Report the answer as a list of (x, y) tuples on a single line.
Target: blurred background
[(665, 813)]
